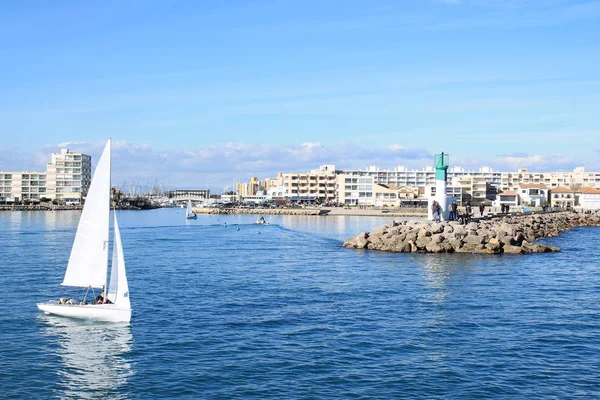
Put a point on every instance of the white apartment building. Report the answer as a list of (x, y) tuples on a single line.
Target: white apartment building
[(355, 190), (17, 186), (67, 178), (575, 179), (401, 176)]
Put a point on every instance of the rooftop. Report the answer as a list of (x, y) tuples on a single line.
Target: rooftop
[(533, 186), (562, 189), (589, 190)]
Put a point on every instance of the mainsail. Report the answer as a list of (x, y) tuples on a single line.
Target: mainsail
[(89, 255)]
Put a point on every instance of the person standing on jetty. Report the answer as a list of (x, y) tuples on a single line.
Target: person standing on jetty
[(435, 210), (468, 212), (452, 213), (481, 209)]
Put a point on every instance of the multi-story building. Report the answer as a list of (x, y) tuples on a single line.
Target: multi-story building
[(469, 188), (17, 186), (317, 184), (356, 190), (575, 179), (250, 188), (362, 191), (401, 176), (68, 176)]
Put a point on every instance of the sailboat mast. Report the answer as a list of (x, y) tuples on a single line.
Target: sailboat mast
[(109, 204)]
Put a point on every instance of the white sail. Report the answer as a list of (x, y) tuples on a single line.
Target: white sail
[(189, 207), (118, 290), (89, 255)]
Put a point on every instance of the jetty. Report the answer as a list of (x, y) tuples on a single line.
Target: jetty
[(512, 234)]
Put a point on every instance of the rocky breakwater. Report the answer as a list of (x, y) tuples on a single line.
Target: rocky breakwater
[(511, 234)]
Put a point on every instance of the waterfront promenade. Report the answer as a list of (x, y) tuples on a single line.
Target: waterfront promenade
[(319, 211)]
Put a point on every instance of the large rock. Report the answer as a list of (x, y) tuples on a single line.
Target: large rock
[(494, 245), (402, 247), (442, 247), (360, 241), (539, 248), (472, 239), (510, 249), (422, 242)]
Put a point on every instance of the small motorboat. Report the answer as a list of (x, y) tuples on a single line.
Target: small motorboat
[(261, 221)]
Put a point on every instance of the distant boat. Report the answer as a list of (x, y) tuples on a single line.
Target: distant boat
[(190, 214), (262, 221), (88, 263)]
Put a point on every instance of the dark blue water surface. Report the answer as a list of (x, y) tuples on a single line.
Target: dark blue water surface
[(284, 312)]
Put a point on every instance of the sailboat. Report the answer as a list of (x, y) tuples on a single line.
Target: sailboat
[(88, 262), (190, 214)]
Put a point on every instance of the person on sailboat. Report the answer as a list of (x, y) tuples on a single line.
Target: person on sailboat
[(100, 299)]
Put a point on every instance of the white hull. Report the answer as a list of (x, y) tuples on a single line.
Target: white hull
[(96, 312)]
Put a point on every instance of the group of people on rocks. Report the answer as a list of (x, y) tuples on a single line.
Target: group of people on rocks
[(454, 214)]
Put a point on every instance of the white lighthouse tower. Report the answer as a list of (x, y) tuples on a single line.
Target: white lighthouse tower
[(441, 183)]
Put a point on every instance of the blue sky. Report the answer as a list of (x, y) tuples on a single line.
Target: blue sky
[(198, 94)]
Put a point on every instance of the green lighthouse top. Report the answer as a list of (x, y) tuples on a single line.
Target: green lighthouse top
[(441, 166)]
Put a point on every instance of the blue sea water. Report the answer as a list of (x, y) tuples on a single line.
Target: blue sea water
[(284, 312)]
